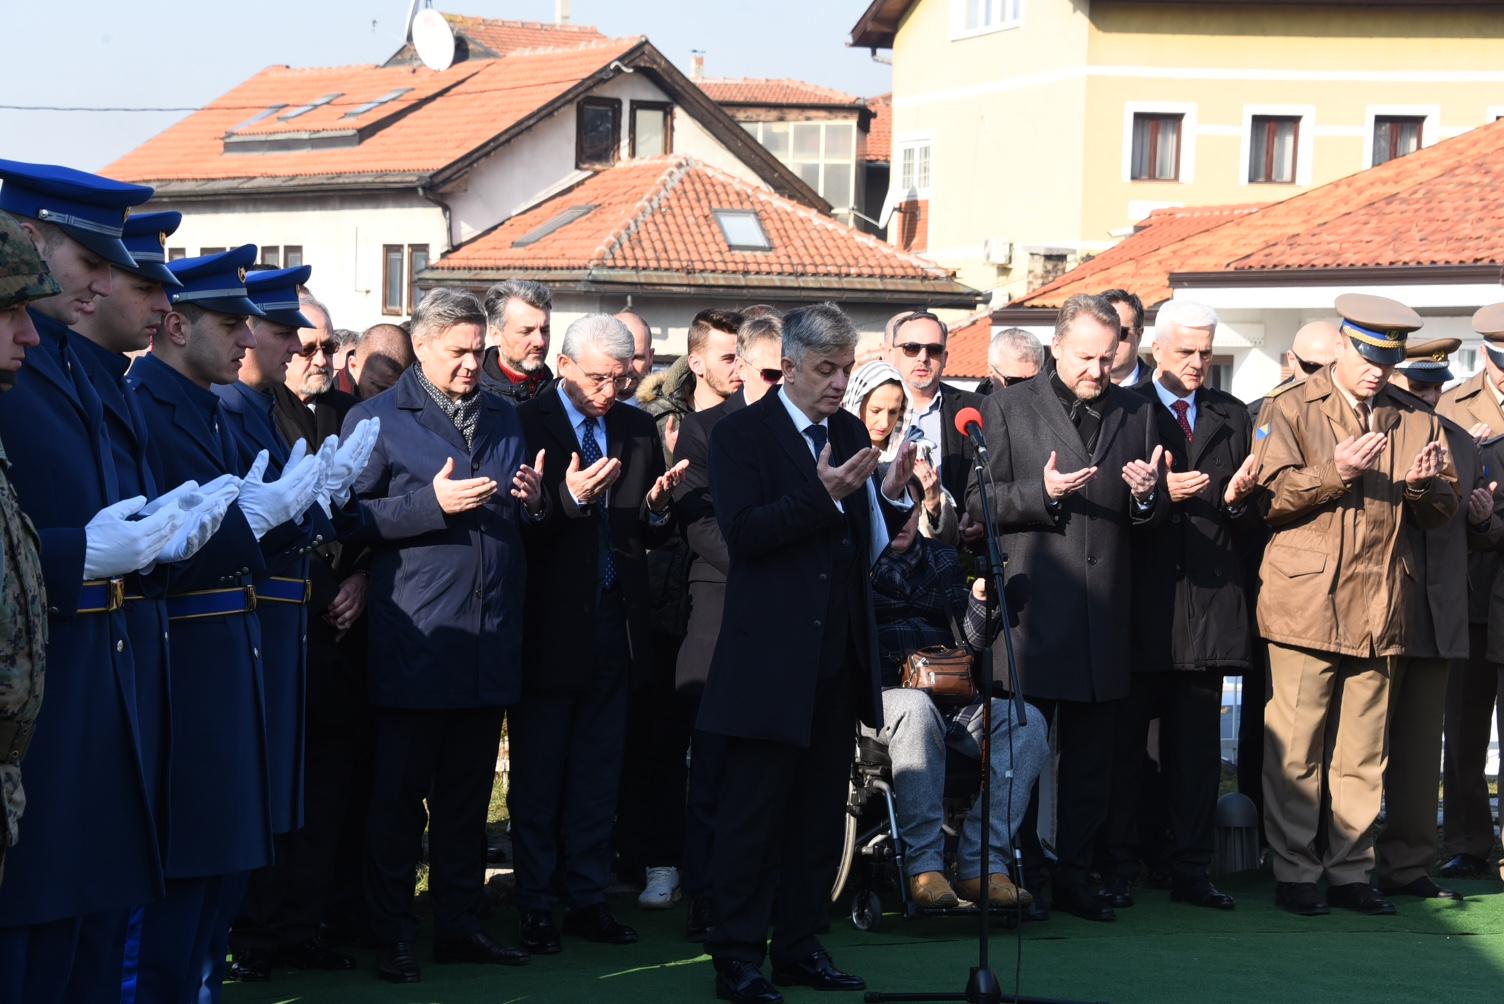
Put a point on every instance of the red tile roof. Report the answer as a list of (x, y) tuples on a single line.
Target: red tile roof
[(656, 216), (1440, 205), (748, 91), (878, 145), (484, 98), (503, 37), (967, 347)]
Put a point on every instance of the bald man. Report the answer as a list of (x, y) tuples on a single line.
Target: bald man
[(642, 353), (383, 354), (1313, 350)]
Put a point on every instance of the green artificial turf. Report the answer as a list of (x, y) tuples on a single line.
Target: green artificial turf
[(1157, 951)]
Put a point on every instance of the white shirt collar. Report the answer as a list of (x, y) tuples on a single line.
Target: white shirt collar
[(1169, 399)]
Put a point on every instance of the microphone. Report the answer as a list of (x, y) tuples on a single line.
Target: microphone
[(969, 424)]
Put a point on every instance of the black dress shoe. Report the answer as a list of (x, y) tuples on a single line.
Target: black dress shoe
[(1118, 893), (701, 918), (1300, 898), (1423, 888), (743, 983), (1084, 902), (815, 970), (478, 947), (596, 923), (1361, 897), (1200, 892), (398, 963), (1465, 866), (539, 935), (317, 954), (249, 967)]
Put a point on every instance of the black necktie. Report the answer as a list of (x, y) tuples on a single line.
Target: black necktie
[(818, 436)]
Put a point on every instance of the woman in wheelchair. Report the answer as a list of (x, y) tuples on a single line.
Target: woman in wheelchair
[(919, 590)]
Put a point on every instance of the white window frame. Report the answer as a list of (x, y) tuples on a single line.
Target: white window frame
[(1010, 15), (1189, 124), (1430, 130), (912, 141), (1305, 145)]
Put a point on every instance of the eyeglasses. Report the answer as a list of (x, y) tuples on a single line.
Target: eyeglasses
[(1004, 380), (327, 348), (769, 377), (1125, 332), (934, 350), (1308, 368), (598, 380)]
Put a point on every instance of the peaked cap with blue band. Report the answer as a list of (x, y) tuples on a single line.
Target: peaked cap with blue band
[(216, 282), (1377, 326), (1427, 362), (1489, 322), (275, 291), (86, 207), (145, 237)]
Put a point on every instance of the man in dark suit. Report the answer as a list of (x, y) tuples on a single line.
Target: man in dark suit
[(1190, 612), (604, 466), (917, 348), (1075, 467), (803, 521), (759, 347), (445, 614)]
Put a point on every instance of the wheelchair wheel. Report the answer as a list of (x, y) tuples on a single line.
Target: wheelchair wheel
[(866, 910), (848, 848)]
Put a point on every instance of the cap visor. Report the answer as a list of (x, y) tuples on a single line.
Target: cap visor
[(1379, 356), (236, 306), (156, 272), (1428, 375), (1495, 352), (111, 249), (288, 318)]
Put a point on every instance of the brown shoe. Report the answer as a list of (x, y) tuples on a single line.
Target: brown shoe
[(1000, 891), (930, 891)]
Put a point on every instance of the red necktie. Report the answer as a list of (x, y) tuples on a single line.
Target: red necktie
[(1181, 409)]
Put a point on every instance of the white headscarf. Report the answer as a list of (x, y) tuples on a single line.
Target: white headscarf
[(867, 378)]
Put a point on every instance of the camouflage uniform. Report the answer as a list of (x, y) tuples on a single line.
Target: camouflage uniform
[(23, 605)]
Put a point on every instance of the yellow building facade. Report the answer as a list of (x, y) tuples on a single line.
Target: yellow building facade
[(1029, 133)]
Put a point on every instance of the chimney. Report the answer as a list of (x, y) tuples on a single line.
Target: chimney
[(561, 11), (697, 64)]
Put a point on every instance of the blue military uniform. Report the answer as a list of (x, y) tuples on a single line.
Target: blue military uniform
[(220, 817), (90, 851)]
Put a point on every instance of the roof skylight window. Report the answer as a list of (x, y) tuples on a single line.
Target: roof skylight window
[(541, 231), (742, 229), (268, 113), (361, 109), (305, 109)]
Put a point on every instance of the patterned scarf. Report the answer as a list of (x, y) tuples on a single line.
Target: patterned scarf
[(464, 413)]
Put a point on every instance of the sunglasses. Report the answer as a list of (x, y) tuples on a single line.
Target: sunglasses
[(1125, 333), (769, 377), (1009, 381), (1308, 368), (328, 348), (912, 349)]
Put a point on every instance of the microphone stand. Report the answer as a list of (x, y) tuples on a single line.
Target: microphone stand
[(982, 986)]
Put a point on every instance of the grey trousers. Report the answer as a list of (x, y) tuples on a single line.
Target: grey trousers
[(917, 733)]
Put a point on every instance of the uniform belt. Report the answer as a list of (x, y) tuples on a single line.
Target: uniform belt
[(101, 596), (15, 736), (211, 603), (280, 589)]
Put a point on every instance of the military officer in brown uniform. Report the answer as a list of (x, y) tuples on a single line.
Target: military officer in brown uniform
[(23, 604), (1468, 837), (1436, 637), (1343, 464)]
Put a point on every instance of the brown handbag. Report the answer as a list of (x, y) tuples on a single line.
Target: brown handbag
[(942, 671)]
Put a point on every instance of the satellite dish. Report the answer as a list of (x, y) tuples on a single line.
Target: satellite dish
[(434, 39)]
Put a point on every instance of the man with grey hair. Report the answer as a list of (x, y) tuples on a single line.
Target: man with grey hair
[(1190, 611), (443, 502), (518, 315), (803, 521), (587, 636), (1075, 473), (1013, 356)]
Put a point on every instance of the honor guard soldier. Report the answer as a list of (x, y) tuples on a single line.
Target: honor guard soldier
[(283, 592), (1476, 683), (1436, 639), (23, 601), (220, 817), (1344, 464), (61, 925)]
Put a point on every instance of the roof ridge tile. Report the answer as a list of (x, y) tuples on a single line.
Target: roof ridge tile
[(674, 172)]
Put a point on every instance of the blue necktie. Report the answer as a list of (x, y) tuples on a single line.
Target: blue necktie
[(590, 452), (818, 436)]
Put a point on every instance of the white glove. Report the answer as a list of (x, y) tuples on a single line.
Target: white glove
[(268, 504), (114, 544), (326, 459), (204, 511), (171, 498), (351, 459)]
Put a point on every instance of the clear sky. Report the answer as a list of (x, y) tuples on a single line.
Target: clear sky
[(185, 53)]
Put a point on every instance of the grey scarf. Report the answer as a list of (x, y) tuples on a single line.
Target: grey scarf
[(464, 413)]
